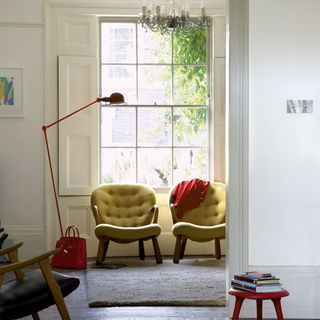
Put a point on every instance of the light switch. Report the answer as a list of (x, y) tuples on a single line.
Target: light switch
[(299, 106)]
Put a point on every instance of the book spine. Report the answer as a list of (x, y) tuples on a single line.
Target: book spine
[(242, 287), (242, 278), (265, 282), (252, 285), (241, 284), (253, 280), (256, 290), (261, 274)]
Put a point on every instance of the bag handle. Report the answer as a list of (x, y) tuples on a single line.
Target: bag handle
[(74, 230)]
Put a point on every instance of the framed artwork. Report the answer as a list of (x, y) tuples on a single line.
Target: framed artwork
[(11, 92)]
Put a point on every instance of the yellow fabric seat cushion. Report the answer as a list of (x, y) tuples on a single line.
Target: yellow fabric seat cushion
[(126, 234), (199, 233)]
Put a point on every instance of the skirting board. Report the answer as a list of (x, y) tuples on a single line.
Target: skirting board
[(33, 238), (303, 284)]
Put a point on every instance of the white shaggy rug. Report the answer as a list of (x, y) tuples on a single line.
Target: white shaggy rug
[(192, 282)]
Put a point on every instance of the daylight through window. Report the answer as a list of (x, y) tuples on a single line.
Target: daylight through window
[(162, 135)]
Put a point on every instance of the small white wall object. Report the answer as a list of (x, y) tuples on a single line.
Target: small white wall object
[(299, 106)]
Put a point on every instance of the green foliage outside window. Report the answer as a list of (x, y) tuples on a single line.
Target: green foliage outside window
[(190, 81)]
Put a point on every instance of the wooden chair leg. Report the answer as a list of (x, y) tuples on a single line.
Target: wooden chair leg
[(217, 248), (156, 249), (102, 251), (141, 250), (54, 289), (259, 309), (177, 249), (237, 308), (277, 306), (35, 316), (14, 258), (183, 247)]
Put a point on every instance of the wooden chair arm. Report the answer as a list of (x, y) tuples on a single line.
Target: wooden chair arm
[(155, 210), (19, 265), (10, 249)]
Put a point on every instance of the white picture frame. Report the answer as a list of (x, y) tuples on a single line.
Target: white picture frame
[(11, 92)]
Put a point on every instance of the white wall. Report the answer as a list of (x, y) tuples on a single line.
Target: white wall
[(284, 55), (22, 150), (284, 153)]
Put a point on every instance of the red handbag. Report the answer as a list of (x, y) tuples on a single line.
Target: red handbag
[(73, 253)]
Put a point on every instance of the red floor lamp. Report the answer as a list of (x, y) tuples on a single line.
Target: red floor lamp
[(115, 98)]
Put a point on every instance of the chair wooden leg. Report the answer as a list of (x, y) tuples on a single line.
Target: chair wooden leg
[(277, 305), (259, 309), (54, 289), (141, 250), (14, 258), (183, 247), (177, 249), (237, 308), (156, 249), (35, 316), (217, 248), (102, 251)]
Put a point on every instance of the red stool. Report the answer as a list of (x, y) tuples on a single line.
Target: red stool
[(259, 297)]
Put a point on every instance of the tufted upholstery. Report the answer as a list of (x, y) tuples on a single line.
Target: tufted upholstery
[(205, 223), (124, 205), (125, 213)]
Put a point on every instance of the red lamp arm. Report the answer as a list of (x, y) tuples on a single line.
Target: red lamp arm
[(114, 98), (45, 128)]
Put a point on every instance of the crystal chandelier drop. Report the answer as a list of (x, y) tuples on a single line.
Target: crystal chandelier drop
[(172, 15)]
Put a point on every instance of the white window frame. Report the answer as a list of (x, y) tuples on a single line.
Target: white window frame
[(209, 105)]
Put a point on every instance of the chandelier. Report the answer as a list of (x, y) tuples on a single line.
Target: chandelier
[(172, 15)]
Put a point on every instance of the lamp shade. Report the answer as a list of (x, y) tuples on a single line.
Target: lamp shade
[(114, 98)]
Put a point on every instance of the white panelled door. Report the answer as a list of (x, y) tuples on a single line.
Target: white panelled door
[(78, 143), (78, 135)]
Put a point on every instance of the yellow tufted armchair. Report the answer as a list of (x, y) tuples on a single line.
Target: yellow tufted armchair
[(205, 223), (125, 213)]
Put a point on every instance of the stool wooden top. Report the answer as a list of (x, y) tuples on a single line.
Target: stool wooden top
[(258, 295)]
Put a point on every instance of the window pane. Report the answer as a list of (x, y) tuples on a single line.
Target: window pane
[(118, 165), (118, 42), (153, 47), (190, 127), (154, 126), (154, 84), (118, 126), (190, 85), (119, 78), (154, 166), (190, 163), (190, 47), (162, 135)]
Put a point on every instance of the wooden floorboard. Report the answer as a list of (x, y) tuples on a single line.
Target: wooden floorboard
[(77, 304)]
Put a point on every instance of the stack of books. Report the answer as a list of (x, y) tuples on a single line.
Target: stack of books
[(256, 282)]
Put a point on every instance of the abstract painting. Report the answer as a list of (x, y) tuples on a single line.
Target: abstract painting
[(11, 92)]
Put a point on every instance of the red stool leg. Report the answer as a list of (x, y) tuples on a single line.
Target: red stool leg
[(237, 308), (259, 309), (277, 306)]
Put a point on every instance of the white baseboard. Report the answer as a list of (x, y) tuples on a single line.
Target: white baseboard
[(33, 238), (302, 282)]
